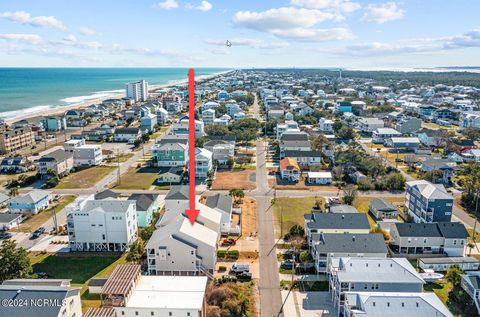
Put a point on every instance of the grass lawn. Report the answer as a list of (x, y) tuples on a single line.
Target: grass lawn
[(85, 178), (138, 178), (80, 267), (441, 289), (293, 211), (434, 126), (36, 221), (362, 202)]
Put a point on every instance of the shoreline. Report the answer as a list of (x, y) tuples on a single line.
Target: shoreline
[(58, 110)]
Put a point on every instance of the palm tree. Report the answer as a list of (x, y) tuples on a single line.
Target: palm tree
[(13, 192), (470, 246)]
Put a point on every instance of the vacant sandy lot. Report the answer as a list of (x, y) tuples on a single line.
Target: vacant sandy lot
[(242, 179)]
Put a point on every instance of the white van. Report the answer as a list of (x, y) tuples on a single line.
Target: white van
[(240, 267)]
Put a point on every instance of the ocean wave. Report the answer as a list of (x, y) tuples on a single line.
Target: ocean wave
[(94, 96), (26, 111)]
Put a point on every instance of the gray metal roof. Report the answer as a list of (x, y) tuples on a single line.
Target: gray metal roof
[(178, 192), (376, 304), (345, 209), (30, 198), (351, 243), (220, 201), (378, 204), (337, 221), (55, 294), (59, 155), (377, 270), (450, 230), (144, 201)]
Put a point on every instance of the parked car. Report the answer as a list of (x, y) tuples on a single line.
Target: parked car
[(228, 242), (287, 264), (244, 277), (37, 233), (238, 268)]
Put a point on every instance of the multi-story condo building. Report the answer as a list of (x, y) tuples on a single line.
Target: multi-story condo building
[(325, 125), (101, 225), (16, 139), (87, 155), (137, 91), (427, 202)]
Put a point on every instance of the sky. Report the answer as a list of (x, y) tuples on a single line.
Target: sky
[(355, 34)]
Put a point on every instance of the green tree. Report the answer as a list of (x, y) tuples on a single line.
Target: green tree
[(216, 130), (146, 233), (135, 252), (454, 275), (237, 194), (336, 126), (349, 194), (13, 192), (14, 262)]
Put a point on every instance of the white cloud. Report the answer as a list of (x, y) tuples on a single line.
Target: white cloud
[(470, 39), (168, 4), (249, 42), (344, 6), (29, 38), (203, 6), (383, 13), (26, 18), (87, 31), (294, 23)]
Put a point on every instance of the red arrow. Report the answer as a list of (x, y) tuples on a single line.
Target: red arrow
[(192, 213)]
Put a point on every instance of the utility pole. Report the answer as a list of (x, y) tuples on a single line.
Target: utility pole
[(118, 168), (55, 224), (475, 216)]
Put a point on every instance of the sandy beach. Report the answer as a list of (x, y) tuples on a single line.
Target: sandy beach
[(62, 109)]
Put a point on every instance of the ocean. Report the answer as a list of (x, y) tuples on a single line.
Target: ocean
[(26, 91)]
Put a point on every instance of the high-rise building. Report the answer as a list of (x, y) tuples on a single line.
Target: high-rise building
[(137, 91)]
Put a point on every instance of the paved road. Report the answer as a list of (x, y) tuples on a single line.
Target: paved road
[(269, 285)]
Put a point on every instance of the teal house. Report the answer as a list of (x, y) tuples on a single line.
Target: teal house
[(170, 151), (344, 106), (147, 205), (54, 123)]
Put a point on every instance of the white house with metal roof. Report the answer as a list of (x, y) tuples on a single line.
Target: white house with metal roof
[(181, 248), (373, 304), (386, 275)]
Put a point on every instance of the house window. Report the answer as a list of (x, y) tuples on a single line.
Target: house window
[(152, 313), (388, 304), (169, 313)]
